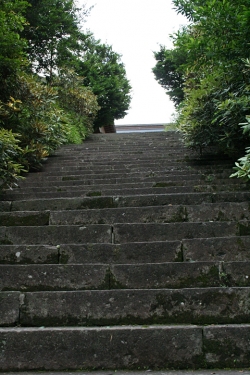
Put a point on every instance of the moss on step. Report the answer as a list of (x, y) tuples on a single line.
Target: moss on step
[(32, 219), (70, 178), (244, 229), (93, 194), (166, 184)]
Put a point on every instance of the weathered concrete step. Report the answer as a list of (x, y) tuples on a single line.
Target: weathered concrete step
[(124, 276), (164, 181), (219, 248), (24, 218), (112, 175), (134, 148), (119, 233), (130, 347), (95, 143), (122, 157), (202, 249), (128, 175), (172, 179), (123, 233), (119, 190), (238, 371), (29, 254), (131, 163), (162, 306), (103, 176), (95, 168), (154, 214), (86, 192), (54, 277), (129, 253), (55, 235), (165, 174), (180, 275), (115, 161), (110, 170), (122, 201)]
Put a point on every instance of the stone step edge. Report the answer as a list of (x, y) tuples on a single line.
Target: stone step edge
[(178, 180), (125, 307), (168, 275), (228, 249), (73, 348), (173, 213), (236, 371), (85, 191), (122, 201)]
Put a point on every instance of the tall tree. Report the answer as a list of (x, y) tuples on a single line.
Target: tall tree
[(12, 22), (168, 72), (53, 33), (216, 83), (104, 72)]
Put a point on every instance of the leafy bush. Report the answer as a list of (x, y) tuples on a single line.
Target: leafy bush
[(35, 116), (10, 153), (212, 110), (78, 101), (243, 165), (208, 63)]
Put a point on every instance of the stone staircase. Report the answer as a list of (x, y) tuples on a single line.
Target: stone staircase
[(126, 252)]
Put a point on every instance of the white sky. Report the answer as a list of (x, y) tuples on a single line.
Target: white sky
[(136, 28)]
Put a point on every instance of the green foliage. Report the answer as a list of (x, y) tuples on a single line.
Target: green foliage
[(53, 34), (37, 115), (215, 46), (10, 153), (105, 74), (36, 118), (12, 46), (12, 22), (77, 100), (168, 72), (242, 167)]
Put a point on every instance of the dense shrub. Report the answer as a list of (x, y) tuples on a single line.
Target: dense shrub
[(10, 153), (208, 62), (78, 101)]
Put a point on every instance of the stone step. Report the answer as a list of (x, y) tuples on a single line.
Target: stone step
[(136, 172), (152, 274), (77, 203), (126, 306), (131, 157), (130, 347), (126, 177), (238, 371), (129, 253), (131, 161), (125, 188), (119, 190), (103, 176), (154, 214), (170, 275), (123, 233), (201, 249), (55, 235), (120, 233), (151, 214), (178, 180)]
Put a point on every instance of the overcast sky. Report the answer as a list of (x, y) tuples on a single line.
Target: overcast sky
[(136, 28)]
